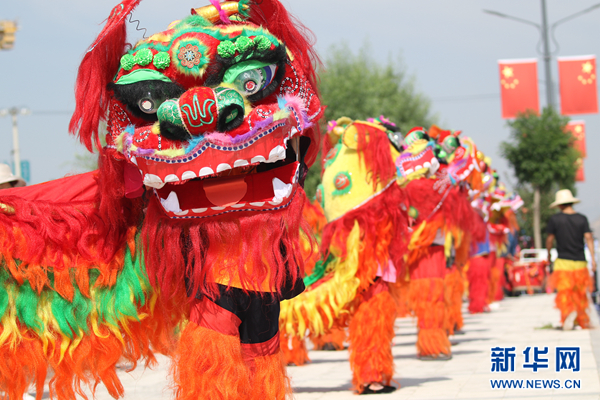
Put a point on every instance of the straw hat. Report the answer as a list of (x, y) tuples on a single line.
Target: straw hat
[(564, 196), (6, 175)]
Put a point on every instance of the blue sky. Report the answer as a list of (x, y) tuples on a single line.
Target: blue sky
[(450, 47)]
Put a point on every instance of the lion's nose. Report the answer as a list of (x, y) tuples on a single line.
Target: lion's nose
[(201, 110)]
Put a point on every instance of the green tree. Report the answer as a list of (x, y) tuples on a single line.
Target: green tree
[(541, 154), (356, 86)]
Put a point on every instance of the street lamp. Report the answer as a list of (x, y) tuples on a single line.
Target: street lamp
[(543, 29), (13, 112)]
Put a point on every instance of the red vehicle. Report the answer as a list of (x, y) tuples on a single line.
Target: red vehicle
[(528, 274)]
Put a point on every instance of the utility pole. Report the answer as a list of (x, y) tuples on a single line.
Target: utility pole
[(546, 33), (16, 151)]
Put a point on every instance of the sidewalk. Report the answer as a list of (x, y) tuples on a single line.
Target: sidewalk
[(519, 322)]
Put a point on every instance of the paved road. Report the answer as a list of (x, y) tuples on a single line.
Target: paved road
[(522, 322)]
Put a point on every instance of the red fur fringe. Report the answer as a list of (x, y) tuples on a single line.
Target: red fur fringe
[(454, 213), (265, 259), (70, 236), (571, 294), (374, 151), (97, 70), (371, 333), (479, 276), (383, 234)]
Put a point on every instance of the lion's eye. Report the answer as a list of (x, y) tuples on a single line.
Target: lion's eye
[(148, 105), (254, 80)]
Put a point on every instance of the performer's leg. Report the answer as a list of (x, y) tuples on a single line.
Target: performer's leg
[(571, 285), (500, 266), (453, 288), (293, 349), (478, 276), (399, 291), (259, 335), (370, 334), (494, 281), (427, 303), (331, 340), (208, 362)]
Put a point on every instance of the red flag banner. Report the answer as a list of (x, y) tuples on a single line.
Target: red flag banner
[(518, 86), (577, 129), (579, 175), (578, 88)]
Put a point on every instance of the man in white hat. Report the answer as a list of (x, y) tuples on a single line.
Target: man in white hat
[(7, 179), (570, 276)]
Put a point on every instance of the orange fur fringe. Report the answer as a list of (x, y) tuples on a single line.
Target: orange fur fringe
[(426, 299), (453, 293), (399, 291), (371, 333), (293, 349), (571, 287), (336, 336), (209, 365)]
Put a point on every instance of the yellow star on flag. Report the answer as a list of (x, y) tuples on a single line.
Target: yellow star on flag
[(578, 128), (507, 72), (587, 67)]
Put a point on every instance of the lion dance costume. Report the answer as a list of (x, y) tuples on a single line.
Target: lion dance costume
[(190, 225), (362, 246), (442, 226)]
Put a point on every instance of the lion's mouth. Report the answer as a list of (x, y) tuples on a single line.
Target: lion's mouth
[(262, 186)]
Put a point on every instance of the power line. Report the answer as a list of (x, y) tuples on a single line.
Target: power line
[(469, 97)]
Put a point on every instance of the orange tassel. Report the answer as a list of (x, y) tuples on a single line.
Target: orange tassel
[(427, 302), (399, 291), (336, 337), (209, 365), (453, 292), (269, 380), (293, 350), (371, 333)]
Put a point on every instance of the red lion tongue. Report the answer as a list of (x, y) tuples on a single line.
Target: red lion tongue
[(225, 192)]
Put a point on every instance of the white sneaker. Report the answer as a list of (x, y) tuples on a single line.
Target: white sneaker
[(569, 321)]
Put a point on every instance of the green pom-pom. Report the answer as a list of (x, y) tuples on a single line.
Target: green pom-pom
[(243, 44), (143, 57), (262, 43), (226, 49), (162, 60), (127, 62)]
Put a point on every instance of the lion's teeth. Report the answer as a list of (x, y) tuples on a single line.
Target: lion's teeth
[(171, 178), (280, 189), (188, 175), (205, 172), (223, 167), (171, 203), (278, 153), (153, 181)]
